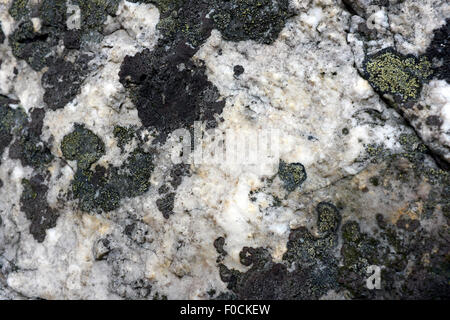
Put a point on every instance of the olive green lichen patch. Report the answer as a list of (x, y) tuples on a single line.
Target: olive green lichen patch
[(19, 9), (390, 72), (83, 146), (101, 189), (95, 12), (53, 13), (123, 136), (328, 218), (292, 174), (259, 20)]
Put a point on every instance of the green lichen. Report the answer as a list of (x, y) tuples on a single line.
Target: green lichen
[(123, 136), (292, 174), (401, 76), (259, 20), (95, 12), (53, 13), (102, 189), (83, 146), (19, 9), (328, 218)]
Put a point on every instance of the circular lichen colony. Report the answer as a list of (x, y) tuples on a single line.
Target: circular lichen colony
[(83, 146), (292, 174)]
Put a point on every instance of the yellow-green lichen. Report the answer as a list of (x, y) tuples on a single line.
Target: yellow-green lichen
[(18, 9), (401, 76), (83, 146)]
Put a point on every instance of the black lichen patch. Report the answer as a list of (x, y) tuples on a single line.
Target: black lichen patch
[(39, 47), (259, 20), (63, 80), (439, 52), (166, 204), (169, 90), (238, 70), (219, 243), (34, 204), (2, 35), (292, 174), (390, 72), (28, 146), (36, 47), (72, 39), (83, 146)]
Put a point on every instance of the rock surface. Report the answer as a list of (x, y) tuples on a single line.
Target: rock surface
[(170, 149)]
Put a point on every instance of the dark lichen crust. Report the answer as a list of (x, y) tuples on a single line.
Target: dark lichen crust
[(260, 20), (34, 204)]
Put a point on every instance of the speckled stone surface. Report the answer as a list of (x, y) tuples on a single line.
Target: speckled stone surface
[(118, 178)]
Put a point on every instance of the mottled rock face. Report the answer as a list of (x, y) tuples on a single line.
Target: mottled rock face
[(119, 178)]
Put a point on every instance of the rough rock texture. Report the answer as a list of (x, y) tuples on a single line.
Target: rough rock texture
[(114, 116)]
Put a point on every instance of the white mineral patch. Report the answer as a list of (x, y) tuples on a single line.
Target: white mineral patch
[(74, 16)]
